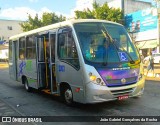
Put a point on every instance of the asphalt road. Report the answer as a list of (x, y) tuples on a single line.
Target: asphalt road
[(40, 104)]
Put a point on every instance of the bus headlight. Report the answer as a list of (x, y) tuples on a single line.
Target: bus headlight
[(97, 81)]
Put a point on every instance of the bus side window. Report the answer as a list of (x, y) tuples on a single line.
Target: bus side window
[(22, 48), (61, 46), (67, 49), (53, 40), (30, 47)]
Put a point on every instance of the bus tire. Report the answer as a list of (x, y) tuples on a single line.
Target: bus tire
[(28, 89), (67, 96)]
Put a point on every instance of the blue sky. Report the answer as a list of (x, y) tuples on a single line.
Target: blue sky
[(63, 6), (19, 9)]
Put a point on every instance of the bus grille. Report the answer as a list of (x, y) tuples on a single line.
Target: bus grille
[(118, 81), (121, 92)]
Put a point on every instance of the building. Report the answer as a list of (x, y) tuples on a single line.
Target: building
[(143, 26), (3, 51), (128, 6), (141, 20), (9, 28)]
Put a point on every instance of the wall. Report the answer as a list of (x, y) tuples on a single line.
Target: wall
[(143, 24), (4, 54), (9, 28), (133, 5), (129, 5)]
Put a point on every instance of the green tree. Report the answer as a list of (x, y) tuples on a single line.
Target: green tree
[(103, 12), (47, 19), (86, 14), (32, 23), (50, 18)]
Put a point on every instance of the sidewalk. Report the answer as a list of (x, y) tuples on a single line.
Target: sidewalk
[(151, 76), (3, 65)]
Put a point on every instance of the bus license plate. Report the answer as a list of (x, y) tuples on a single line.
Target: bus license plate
[(123, 97)]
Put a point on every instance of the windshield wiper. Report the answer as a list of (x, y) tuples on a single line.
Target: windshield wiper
[(113, 42), (106, 36)]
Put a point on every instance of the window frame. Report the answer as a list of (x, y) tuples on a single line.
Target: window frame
[(31, 46), (22, 47), (65, 31), (10, 49)]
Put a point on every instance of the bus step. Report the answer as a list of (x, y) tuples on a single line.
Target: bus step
[(55, 93), (48, 91)]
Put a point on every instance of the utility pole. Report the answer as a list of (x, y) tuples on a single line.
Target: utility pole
[(158, 24), (158, 27), (156, 2)]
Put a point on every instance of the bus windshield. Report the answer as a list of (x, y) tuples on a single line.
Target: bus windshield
[(102, 42)]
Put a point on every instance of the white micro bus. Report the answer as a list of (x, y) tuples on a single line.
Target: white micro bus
[(86, 61)]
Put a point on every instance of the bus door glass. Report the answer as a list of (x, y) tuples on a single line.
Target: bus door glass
[(52, 38), (41, 64)]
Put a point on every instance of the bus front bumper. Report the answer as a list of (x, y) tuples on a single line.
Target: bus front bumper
[(96, 93)]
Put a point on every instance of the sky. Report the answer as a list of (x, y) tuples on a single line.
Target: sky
[(19, 9)]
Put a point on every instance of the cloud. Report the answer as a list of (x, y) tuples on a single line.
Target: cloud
[(81, 5), (17, 13), (21, 13), (84, 4)]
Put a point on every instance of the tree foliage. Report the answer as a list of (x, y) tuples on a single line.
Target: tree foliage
[(103, 12), (47, 19)]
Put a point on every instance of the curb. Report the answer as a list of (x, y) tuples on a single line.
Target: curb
[(152, 78), (3, 66)]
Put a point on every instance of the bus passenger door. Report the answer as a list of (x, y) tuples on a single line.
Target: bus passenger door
[(41, 65), (52, 40), (68, 65)]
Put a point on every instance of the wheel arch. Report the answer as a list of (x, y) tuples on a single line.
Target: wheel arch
[(64, 85)]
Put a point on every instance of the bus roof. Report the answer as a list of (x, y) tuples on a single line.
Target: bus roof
[(57, 25)]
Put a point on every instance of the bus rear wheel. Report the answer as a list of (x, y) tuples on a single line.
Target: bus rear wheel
[(28, 89), (67, 96)]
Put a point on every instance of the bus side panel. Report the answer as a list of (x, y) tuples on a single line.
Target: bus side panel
[(66, 73), (12, 70), (28, 69)]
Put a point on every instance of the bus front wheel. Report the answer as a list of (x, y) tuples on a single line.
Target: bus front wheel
[(28, 89), (67, 96)]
